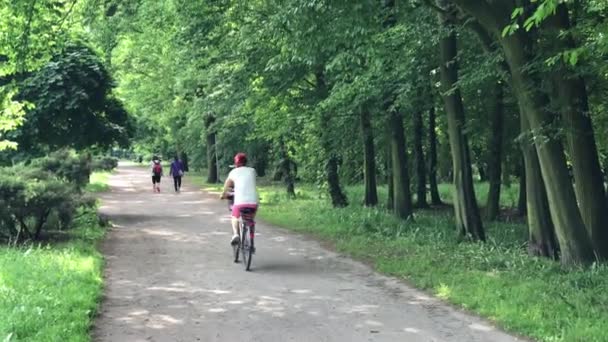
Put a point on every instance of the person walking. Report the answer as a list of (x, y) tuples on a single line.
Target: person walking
[(157, 173), (177, 171)]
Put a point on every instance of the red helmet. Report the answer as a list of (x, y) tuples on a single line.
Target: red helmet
[(240, 159)]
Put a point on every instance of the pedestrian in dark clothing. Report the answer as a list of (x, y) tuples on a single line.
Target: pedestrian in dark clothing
[(177, 171)]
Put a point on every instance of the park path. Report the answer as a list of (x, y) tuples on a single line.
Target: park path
[(169, 277)]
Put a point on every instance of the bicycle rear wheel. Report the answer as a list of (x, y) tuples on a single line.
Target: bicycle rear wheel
[(247, 247)]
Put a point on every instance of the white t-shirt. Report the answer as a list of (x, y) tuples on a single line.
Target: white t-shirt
[(244, 185)]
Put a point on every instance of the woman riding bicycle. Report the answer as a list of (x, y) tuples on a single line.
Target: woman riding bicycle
[(243, 180)]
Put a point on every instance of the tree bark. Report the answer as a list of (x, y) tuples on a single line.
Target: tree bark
[(338, 198), (390, 200), (402, 204), (540, 226), (288, 171), (369, 159), (185, 162), (573, 103), (522, 201), (495, 152), (468, 220), (212, 176), (420, 164), (574, 242), (432, 157)]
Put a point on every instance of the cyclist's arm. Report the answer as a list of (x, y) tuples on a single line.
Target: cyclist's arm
[(228, 185)]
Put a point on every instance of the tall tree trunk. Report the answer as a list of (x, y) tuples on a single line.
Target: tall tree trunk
[(260, 163), (468, 220), (573, 239), (574, 107), (390, 200), (540, 226), (420, 164), (288, 170), (432, 158), (185, 161), (402, 205), (495, 150), (338, 198), (369, 159), (212, 176), (522, 199)]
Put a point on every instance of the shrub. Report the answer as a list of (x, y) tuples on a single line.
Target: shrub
[(104, 163), (67, 166), (46, 194)]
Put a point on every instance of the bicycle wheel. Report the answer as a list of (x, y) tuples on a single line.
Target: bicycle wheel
[(247, 246)]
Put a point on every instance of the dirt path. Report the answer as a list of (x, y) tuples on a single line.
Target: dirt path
[(170, 277)]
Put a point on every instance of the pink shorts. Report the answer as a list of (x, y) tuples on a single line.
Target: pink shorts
[(236, 209)]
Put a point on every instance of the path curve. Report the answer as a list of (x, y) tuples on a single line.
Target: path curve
[(169, 277)]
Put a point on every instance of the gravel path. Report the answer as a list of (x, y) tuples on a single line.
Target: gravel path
[(170, 277)]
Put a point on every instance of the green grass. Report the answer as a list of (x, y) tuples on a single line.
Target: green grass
[(99, 182), (509, 195), (497, 280), (51, 292)]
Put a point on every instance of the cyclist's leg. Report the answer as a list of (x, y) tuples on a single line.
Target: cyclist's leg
[(236, 214)]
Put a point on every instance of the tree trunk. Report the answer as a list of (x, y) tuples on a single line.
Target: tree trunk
[(483, 176), (468, 220), (540, 226), (402, 204), (522, 201), (261, 160), (212, 176), (574, 242), (185, 162), (574, 107), (288, 171), (40, 223), (369, 159), (495, 157), (338, 198), (420, 164), (389, 177), (432, 157)]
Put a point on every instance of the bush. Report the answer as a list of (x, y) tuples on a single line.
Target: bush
[(67, 166), (104, 163), (43, 195)]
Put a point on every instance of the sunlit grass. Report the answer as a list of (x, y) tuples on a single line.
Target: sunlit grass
[(51, 292), (99, 181)]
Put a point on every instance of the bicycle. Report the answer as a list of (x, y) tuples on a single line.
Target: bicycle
[(245, 246)]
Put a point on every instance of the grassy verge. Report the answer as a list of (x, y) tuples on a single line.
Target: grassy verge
[(51, 292), (497, 280), (99, 181)]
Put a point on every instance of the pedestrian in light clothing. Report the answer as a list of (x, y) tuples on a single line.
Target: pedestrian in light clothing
[(177, 171)]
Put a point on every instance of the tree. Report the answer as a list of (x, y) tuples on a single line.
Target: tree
[(73, 105), (212, 176), (468, 220), (574, 243)]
